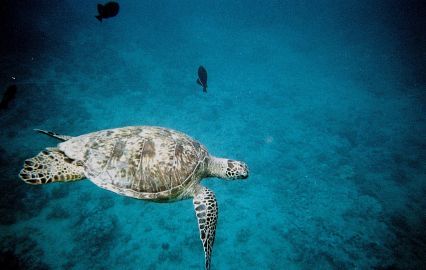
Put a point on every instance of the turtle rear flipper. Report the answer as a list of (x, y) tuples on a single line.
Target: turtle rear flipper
[(51, 165), (54, 135)]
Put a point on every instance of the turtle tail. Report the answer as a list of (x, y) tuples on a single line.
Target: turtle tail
[(51, 165), (54, 135)]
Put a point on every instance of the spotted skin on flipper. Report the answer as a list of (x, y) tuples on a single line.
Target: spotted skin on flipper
[(51, 165), (206, 211)]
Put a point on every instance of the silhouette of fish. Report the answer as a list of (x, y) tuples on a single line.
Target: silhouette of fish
[(8, 96), (202, 78), (108, 10)]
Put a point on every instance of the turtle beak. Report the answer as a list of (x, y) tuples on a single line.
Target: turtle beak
[(245, 173)]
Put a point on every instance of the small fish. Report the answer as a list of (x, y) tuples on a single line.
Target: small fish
[(202, 78), (8, 96), (108, 10)]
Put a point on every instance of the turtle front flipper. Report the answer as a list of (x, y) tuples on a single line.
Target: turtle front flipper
[(206, 210), (51, 165)]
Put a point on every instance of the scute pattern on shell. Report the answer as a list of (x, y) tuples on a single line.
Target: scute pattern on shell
[(135, 160)]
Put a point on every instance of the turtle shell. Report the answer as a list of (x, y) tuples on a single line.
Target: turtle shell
[(142, 161)]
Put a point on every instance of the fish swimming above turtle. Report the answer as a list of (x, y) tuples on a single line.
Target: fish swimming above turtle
[(108, 10), (202, 78), (142, 162)]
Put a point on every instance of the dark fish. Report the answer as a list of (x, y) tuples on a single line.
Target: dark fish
[(108, 10), (202, 78), (8, 96)]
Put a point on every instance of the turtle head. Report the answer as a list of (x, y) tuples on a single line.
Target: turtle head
[(236, 170), (227, 168)]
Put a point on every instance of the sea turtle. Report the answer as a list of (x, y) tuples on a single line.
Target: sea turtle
[(143, 162)]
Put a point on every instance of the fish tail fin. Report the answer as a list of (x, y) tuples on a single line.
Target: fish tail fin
[(100, 8), (204, 86), (100, 11)]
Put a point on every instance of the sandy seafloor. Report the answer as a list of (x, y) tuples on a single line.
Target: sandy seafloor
[(325, 101)]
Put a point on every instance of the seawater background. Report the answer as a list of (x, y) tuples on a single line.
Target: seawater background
[(325, 100)]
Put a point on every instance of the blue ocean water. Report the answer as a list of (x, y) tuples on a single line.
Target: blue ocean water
[(325, 100)]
